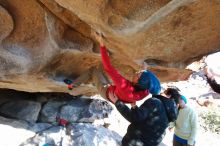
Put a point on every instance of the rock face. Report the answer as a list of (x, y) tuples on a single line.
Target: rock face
[(6, 23), (58, 121), (44, 41)]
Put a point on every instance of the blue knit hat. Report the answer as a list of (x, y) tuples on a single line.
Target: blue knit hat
[(183, 98), (149, 81)]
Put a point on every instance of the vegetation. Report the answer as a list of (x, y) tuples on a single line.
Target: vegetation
[(209, 118)]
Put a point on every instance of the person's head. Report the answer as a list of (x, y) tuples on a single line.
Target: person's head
[(182, 101), (146, 80), (173, 92)]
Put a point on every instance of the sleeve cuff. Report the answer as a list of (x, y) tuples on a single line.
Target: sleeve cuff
[(171, 124), (117, 102), (102, 46), (190, 142), (209, 77), (133, 108)]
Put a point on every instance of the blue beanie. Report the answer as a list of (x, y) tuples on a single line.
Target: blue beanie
[(183, 98), (149, 81)]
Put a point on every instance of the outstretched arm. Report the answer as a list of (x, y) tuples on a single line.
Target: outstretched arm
[(135, 114), (112, 72)]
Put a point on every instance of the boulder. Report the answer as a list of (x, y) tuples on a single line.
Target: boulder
[(23, 110), (85, 110)]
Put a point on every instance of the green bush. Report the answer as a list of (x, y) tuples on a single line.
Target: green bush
[(209, 119)]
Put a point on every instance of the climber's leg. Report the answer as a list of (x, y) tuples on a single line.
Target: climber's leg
[(101, 82)]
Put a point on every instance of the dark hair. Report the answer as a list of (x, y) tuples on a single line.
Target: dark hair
[(174, 93), (138, 88), (172, 90)]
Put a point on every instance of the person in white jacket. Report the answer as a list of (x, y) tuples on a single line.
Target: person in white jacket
[(186, 125)]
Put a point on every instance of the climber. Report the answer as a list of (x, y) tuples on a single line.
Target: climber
[(127, 91)]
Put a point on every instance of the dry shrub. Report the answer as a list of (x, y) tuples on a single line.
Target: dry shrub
[(209, 118)]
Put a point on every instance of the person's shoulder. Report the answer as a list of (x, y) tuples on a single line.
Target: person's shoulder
[(153, 101), (190, 109)]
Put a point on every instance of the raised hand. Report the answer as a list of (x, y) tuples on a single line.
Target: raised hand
[(112, 97), (133, 105), (99, 38)]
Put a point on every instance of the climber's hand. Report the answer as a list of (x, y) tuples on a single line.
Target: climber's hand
[(99, 38), (112, 97)]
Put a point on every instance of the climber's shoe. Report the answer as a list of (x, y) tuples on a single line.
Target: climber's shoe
[(67, 81), (70, 86)]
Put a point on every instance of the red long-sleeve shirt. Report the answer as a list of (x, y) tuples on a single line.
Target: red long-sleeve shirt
[(122, 87)]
